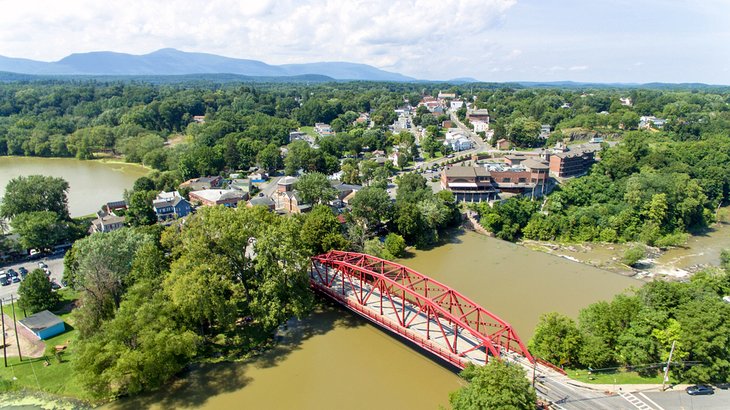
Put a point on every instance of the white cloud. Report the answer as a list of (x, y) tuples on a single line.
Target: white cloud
[(578, 68), (416, 37)]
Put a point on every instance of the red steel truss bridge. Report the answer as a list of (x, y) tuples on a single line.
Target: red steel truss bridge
[(428, 313)]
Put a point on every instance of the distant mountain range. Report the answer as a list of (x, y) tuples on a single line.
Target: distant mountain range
[(168, 61)]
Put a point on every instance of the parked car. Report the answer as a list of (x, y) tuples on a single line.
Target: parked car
[(700, 389), (54, 285), (16, 279), (42, 265), (12, 273), (4, 281), (22, 270)]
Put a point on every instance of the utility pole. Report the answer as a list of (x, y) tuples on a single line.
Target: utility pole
[(2, 315), (666, 369), (15, 323)]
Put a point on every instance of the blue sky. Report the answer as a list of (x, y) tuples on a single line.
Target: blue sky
[(490, 40)]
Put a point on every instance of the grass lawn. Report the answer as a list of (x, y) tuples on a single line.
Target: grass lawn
[(438, 155), (33, 374), (309, 131), (617, 377)]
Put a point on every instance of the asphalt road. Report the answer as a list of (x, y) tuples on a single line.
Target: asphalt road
[(680, 400), (55, 265)]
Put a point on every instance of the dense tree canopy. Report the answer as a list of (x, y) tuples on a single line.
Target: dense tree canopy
[(35, 193), (36, 293), (497, 385)]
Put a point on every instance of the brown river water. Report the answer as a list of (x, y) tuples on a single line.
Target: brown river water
[(333, 360)]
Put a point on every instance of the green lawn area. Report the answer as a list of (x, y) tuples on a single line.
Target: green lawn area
[(309, 131), (33, 374), (616, 377), (438, 155)]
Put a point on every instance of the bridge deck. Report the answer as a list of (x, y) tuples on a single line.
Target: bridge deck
[(422, 330)]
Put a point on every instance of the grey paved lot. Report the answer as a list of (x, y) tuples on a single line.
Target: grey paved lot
[(680, 400), (55, 265)]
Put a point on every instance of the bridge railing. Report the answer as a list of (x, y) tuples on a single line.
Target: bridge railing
[(422, 291)]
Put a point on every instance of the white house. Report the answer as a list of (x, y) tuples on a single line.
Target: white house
[(456, 104), (480, 126)]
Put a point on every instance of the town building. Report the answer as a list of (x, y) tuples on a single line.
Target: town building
[(524, 175), (480, 126), (456, 139), (241, 184), (571, 162), (197, 184), (261, 201), (544, 131), (625, 101), (170, 205), (112, 206), (44, 324), (468, 184), (106, 222), (443, 95), (455, 105), (502, 144), (324, 130), (200, 119), (478, 115), (211, 197), (646, 122)]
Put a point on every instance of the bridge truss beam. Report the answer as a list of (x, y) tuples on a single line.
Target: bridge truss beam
[(427, 312)]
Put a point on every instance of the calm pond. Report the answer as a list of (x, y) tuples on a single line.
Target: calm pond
[(333, 360), (92, 183)]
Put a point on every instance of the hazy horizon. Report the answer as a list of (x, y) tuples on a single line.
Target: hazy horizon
[(672, 41)]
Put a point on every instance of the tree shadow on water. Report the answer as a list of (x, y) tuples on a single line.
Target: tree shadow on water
[(192, 389), (290, 337), (195, 386)]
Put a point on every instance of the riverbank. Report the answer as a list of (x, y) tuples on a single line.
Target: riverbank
[(702, 250)]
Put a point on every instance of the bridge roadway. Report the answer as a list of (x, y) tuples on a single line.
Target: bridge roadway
[(385, 311)]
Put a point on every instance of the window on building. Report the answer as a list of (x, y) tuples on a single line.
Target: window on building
[(505, 180), (522, 180)]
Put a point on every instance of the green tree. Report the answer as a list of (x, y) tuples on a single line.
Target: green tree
[(35, 193), (39, 229), (315, 188), (498, 385), (523, 132), (557, 339), (633, 255), (36, 293), (140, 211), (100, 265), (269, 158), (395, 245), (321, 231), (139, 349), (372, 206)]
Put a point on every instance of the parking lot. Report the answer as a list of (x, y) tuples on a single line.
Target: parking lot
[(55, 266)]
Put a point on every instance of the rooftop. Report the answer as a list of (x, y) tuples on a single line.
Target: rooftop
[(466, 172), (41, 320), (215, 195)]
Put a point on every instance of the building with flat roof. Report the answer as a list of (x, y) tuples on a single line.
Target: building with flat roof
[(469, 184), (212, 197), (521, 175), (44, 324), (572, 162)]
